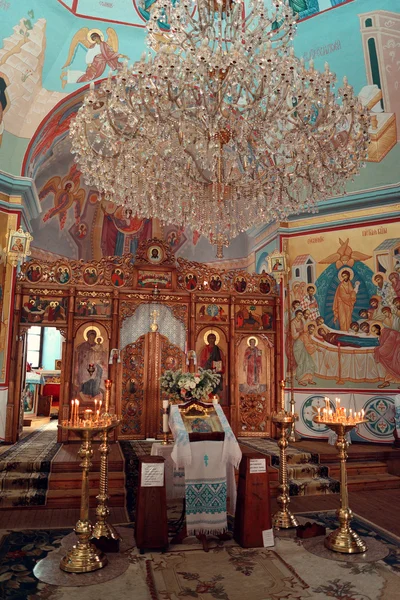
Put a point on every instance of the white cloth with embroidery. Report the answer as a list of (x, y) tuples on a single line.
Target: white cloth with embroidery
[(205, 489), (206, 485)]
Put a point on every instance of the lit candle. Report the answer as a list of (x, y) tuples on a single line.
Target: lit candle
[(77, 411), (165, 416), (215, 399), (337, 400), (326, 403), (319, 412), (100, 405), (95, 405), (72, 411), (362, 414)]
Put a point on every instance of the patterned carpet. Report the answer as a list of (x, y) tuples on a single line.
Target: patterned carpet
[(131, 451), (25, 468), (285, 572), (306, 476)]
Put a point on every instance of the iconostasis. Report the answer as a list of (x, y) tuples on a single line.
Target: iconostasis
[(131, 318)]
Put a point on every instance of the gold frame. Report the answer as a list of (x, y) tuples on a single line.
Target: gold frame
[(16, 256)]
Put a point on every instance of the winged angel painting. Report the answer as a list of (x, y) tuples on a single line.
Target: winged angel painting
[(99, 55), (67, 191)]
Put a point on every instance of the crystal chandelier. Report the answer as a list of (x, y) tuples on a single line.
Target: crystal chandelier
[(220, 127)]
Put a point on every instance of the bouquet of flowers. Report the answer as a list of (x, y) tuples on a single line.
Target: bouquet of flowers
[(189, 385)]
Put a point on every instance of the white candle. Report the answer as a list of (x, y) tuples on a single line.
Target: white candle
[(77, 411), (362, 413), (72, 410), (165, 403), (165, 423), (215, 399)]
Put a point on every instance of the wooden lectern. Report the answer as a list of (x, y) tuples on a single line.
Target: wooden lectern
[(253, 511), (151, 524)]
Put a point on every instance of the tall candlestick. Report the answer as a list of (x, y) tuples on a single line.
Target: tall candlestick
[(77, 411)]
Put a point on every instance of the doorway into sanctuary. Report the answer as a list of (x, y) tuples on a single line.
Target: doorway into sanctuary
[(142, 364), (145, 356)]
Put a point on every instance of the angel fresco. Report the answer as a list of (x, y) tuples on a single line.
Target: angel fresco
[(67, 191), (100, 54)]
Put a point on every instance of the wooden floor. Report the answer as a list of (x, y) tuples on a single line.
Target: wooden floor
[(379, 506)]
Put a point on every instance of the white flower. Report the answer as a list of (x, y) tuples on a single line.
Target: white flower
[(197, 379), (192, 385)]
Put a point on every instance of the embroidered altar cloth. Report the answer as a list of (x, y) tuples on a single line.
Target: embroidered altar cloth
[(209, 476)]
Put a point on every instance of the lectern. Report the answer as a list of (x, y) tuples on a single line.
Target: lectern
[(253, 512), (151, 524)]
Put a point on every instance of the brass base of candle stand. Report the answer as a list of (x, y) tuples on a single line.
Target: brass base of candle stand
[(344, 539), (283, 518), (165, 440), (84, 557)]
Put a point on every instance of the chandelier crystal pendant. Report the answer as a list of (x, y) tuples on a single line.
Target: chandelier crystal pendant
[(220, 127)]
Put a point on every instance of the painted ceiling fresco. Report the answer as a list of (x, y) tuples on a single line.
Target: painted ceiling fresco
[(51, 51)]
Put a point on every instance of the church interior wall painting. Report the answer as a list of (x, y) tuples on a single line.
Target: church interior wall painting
[(255, 379), (251, 317), (344, 305), (90, 364), (90, 306), (379, 411), (44, 310), (344, 336), (150, 279), (212, 353)]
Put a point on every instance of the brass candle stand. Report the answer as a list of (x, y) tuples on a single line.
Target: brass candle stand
[(343, 539), (84, 557), (104, 535), (283, 518)]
